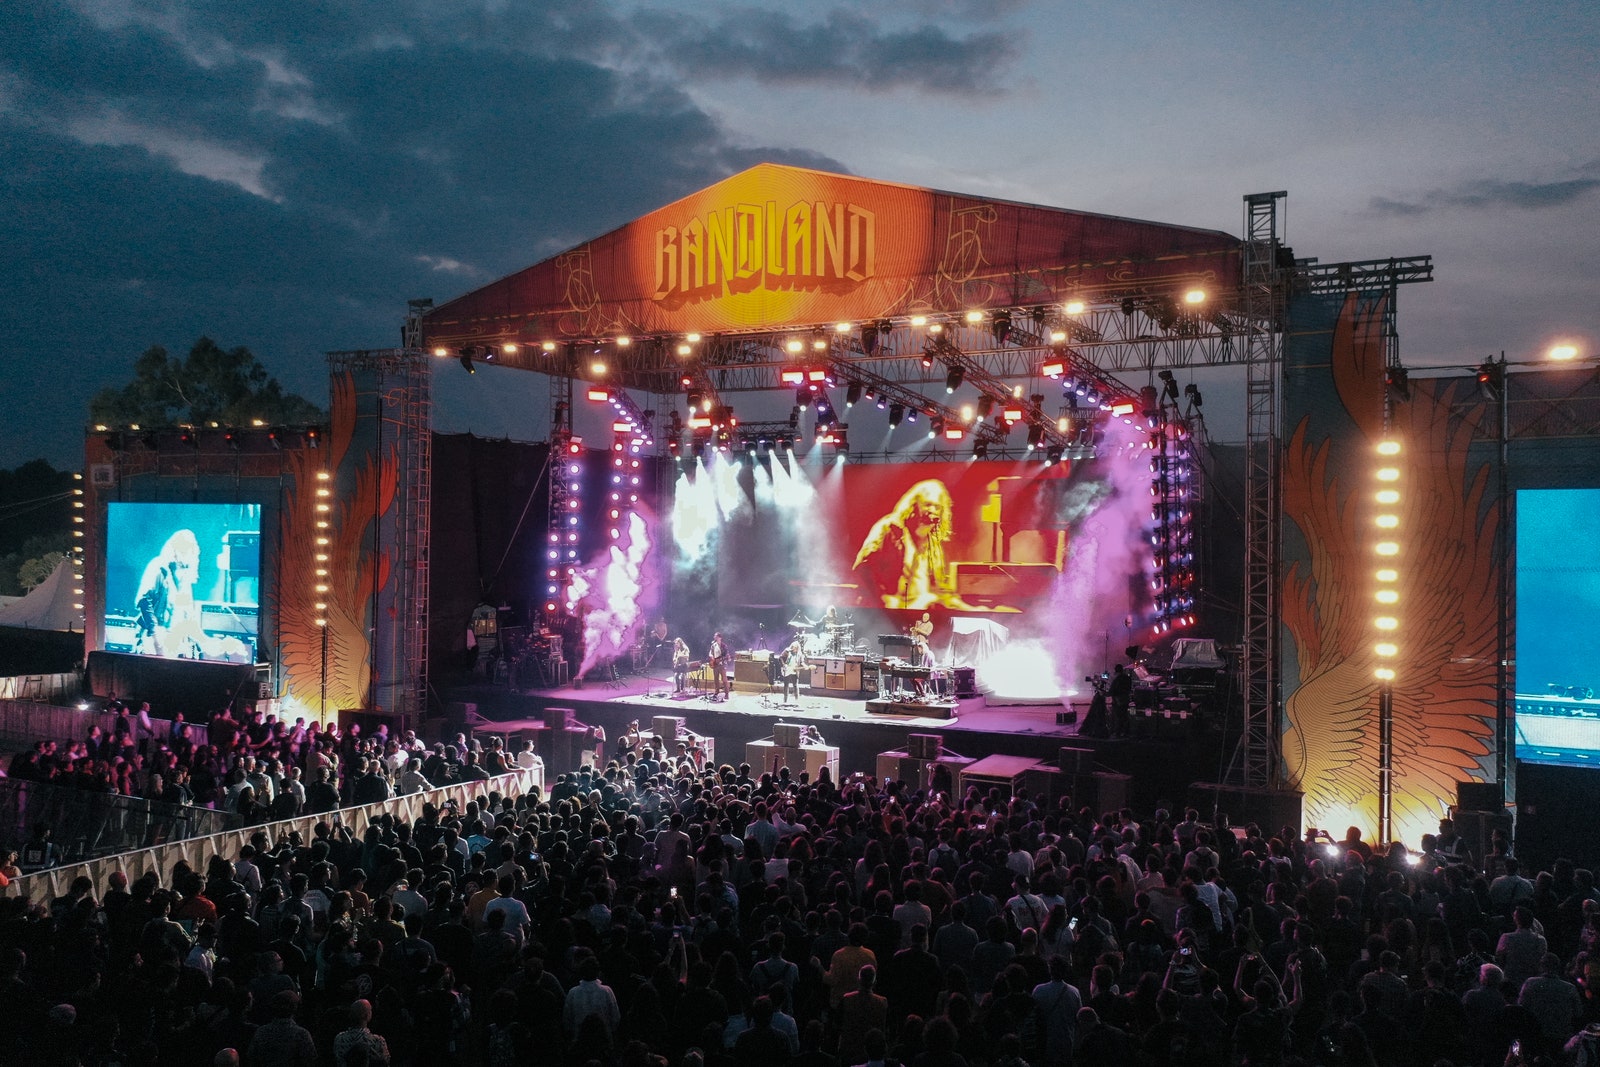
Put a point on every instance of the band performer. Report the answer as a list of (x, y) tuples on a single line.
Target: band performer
[(655, 639), (789, 669), (923, 627), (169, 617), (680, 664), (922, 656), (902, 558), (717, 657)]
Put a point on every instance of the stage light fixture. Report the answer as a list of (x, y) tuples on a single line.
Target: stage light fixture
[(792, 375), (1053, 456), (869, 339), (974, 317), (897, 414), (883, 402), (685, 349), (692, 338), (1169, 386), (1001, 326), (980, 448), (1073, 307), (1192, 391), (794, 345), (465, 360), (936, 426), (927, 360), (1053, 368), (1397, 380), (441, 351), (852, 394), (985, 407), (1491, 379), (953, 380), (1194, 296), (1035, 437)]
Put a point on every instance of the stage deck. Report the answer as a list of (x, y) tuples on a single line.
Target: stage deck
[(1164, 759)]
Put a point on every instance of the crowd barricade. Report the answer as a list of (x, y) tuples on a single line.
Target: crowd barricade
[(23, 722), (197, 851), (86, 823)]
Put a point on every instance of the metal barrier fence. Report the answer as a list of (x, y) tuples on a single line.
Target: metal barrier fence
[(85, 824), (197, 851)]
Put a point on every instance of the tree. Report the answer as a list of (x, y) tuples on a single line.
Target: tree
[(211, 384), (36, 570)]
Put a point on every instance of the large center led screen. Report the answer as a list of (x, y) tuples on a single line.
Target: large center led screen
[(1049, 553), (183, 580), (1557, 642)]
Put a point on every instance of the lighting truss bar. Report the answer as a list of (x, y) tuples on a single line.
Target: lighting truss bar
[(844, 372), (995, 389), (1359, 275)]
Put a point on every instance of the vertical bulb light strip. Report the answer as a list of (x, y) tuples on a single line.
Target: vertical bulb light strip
[(1386, 546)]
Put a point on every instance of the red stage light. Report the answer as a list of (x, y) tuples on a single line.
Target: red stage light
[(600, 395)]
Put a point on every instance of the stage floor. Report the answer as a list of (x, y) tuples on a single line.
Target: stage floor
[(1163, 757)]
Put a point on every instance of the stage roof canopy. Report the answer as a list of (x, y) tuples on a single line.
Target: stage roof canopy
[(776, 249)]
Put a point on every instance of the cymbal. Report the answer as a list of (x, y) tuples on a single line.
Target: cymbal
[(802, 625)]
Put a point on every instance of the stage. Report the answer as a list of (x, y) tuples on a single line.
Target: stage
[(1162, 759)]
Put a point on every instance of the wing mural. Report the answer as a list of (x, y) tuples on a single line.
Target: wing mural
[(1445, 686), (353, 569)]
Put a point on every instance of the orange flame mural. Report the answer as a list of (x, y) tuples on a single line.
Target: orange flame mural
[(354, 570)]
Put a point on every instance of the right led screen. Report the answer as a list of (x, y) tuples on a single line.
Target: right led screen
[(1557, 640)]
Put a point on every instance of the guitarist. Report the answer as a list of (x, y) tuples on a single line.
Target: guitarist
[(717, 658), (789, 670)]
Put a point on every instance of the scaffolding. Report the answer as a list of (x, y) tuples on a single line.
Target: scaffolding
[(1262, 307)]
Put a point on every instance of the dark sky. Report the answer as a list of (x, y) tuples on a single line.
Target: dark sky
[(286, 176)]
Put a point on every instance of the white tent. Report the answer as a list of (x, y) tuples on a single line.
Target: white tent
[(49, 606)]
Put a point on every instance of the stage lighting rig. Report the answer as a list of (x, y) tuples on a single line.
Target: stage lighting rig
[(953, 379), (1169, 386), (897, 414), (1192, 392), (852, 394)]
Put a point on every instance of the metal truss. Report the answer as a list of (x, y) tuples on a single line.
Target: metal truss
[(1262, 309)]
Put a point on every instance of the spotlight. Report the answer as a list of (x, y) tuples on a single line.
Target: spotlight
[(927, 360), (985, 407), (314, 437), (1035, 436), (1053, 456), (1169, 386), (1192, 391), (852, 394), (897, 413), (1491, 378), (952, 381), (802, 397), (275, 438), (466, 361), (1398, 382), (1002, 326), (883, 402), (980, 448), (869, 339), (936, 426)]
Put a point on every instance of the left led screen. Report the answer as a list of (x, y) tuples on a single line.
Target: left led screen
[(183, 580)]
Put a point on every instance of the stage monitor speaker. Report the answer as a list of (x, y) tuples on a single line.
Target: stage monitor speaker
[(925, 746), (1480, 796), (1075, 760), (786, 734), (669, 727), (1477, 830), (559, 718)]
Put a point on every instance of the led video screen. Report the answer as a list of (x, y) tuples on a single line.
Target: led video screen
[(183, 580), (1557, 643), (882, 544)]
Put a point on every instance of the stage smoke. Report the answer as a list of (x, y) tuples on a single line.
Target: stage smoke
[(1024, 670), (608, 595)]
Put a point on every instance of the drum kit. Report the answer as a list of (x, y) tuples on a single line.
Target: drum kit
[(831, 635)]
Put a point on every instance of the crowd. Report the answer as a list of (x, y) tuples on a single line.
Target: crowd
[(258, 768), (649, 915)]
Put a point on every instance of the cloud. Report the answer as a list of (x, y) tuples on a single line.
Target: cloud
[(288, 179), (844, 49), (1487, 194)]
